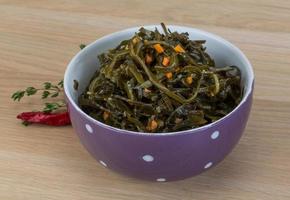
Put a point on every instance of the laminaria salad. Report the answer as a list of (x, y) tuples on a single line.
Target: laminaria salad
[(160, 82)]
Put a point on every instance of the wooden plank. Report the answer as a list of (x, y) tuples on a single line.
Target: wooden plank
[(37, 40)]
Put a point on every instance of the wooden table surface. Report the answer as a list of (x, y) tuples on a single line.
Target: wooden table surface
[(37, 40)]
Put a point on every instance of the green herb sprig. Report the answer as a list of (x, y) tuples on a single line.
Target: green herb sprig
[(48, 90), (82, 46)]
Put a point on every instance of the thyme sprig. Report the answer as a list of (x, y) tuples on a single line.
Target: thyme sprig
[(48, 90)]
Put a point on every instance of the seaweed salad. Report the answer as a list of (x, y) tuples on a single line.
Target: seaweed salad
[(160, 82)]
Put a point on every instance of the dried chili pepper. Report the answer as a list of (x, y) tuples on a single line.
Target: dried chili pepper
[(52, 119)]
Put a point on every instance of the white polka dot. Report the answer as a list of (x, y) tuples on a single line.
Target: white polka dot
[(103, 163), (148, 158), (161, 180), (215, 135), (208, 165), (89, 128)]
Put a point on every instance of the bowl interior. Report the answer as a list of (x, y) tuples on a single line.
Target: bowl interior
[(83, 66)]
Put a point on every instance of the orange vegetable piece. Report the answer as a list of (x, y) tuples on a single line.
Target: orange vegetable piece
[(189, 80), (158, 48), (168, 75), (106, 115), (166, 61), (152, 125), (148, 59), (179, 49)]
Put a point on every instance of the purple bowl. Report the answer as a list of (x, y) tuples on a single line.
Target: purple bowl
[(158, 157)]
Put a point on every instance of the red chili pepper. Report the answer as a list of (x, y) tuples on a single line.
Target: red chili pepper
[(51, 119)]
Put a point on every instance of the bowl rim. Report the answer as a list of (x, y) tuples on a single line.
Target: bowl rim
[(242, 56)]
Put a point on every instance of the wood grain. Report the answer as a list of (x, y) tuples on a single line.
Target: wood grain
[(37, 40)]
